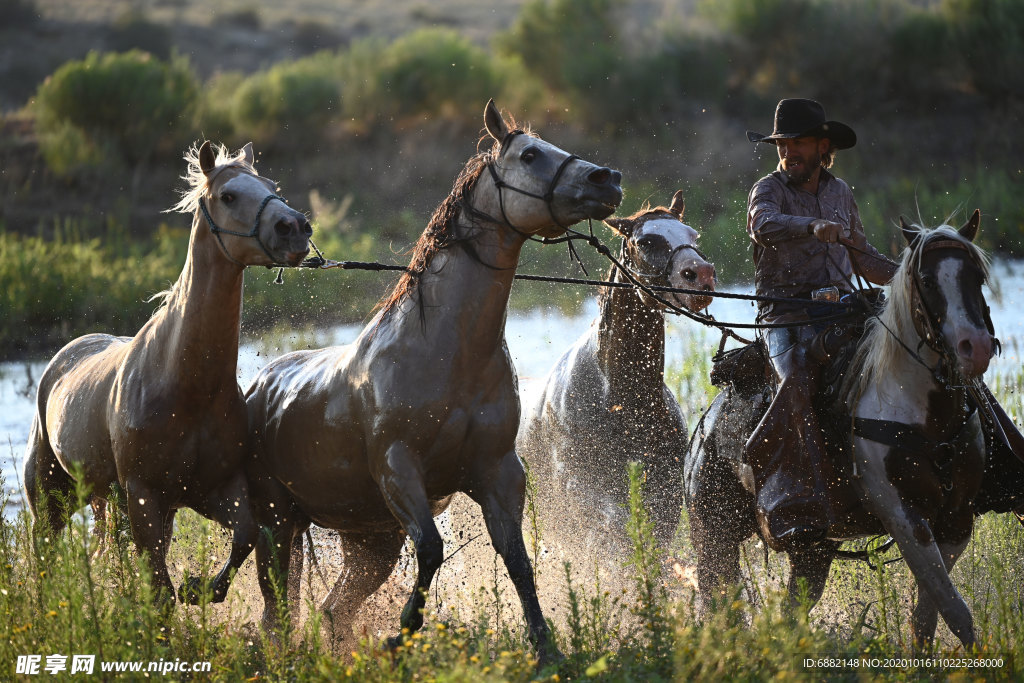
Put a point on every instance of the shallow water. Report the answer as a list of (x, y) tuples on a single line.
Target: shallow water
[(535, 339)]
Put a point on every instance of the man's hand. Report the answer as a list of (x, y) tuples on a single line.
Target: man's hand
[(826, 231)]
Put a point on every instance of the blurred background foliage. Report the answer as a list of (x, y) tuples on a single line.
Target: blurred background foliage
[(365, 113)]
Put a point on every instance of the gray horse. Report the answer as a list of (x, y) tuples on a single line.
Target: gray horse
[(605, 402), (374, 438)]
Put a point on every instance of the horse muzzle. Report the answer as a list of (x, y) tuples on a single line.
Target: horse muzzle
[(291, 238), (974, 350)]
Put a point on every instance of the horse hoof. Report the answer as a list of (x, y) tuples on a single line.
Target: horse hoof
[(192, 590), (549, 657)]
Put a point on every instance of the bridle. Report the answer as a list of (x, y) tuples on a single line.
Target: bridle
[(548, 196), (926, 322), (663, 274), (253, 234)]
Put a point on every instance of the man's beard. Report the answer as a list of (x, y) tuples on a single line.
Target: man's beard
[(806, 170)]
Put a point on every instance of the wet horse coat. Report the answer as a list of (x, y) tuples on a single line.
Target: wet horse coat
[(605, 402), (918, 446), (160, 414), (374, 438)]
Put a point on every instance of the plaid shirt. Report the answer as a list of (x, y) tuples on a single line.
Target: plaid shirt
[(789, 262)]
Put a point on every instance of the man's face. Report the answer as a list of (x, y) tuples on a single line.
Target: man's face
[(801, 157)]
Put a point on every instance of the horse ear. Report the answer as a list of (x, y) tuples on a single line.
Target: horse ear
[(678, 205), (248, 155), (496, 126), (207, 159), (622, 226), (970, 228), (910, 233)]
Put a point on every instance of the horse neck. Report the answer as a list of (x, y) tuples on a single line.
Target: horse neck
[(631, 343), (466, 289), (197, 333)]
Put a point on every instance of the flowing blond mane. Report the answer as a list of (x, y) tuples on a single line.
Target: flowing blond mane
[(880, 352), (198, 182)]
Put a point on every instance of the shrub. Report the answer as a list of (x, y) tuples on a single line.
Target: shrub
[(434, 72), (127, 102), (298, 97), (569, 44)]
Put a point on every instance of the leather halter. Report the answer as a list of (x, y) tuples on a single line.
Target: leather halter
[(671, 255), (547, 197), (254, 233), (925, 320)]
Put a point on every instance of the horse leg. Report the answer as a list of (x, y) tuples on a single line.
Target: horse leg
[(402, 485), (48, 488), (718, 559), (228, 506), (925, 617), (501, 499), (295, 564), (149, 518), (368, 560), (914, 537), (808, 572)]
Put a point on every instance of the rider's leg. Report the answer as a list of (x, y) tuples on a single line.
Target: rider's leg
[(786, 449)]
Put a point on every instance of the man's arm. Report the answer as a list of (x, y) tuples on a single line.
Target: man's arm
[(867, 261), (766, 224)]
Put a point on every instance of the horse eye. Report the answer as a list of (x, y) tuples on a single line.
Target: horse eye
[(227, 197), (528, 155)]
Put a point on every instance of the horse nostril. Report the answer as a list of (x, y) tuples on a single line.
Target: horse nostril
[(965, 348), (601, 176), (307, 229), (283, 227)]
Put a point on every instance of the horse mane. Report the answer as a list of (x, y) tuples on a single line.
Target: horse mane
[(198, 182), (879, 350), (440, 231)]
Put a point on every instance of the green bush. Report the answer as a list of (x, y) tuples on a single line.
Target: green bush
[(293, 99), (990, 37), (571, 45), (434, 72), (129, 103)]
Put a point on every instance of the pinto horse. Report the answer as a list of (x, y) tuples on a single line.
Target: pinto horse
[(374, 438), (917, 448), (605, 402), (160, 414)]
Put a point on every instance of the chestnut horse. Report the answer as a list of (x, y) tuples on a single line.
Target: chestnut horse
[(161, 414), (374, 438), (605, 402), (918, 448)]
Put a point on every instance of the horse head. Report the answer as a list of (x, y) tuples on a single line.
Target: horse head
[(660, 250), (252, 224), (538, 188), (948, 305)]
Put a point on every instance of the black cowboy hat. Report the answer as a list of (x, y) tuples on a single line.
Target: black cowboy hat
[(797, 118)]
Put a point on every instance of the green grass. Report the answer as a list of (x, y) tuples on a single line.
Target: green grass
[(57, 597)]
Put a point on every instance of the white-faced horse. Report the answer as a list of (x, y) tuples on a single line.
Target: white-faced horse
[(605, 402), (374, 438), (918, 448), (160, 414)]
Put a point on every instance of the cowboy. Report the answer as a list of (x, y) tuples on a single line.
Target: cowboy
[(808, 243)]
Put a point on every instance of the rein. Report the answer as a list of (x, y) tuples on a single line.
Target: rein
[(253, 234), (319, 262)]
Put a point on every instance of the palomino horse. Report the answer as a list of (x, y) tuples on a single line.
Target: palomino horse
[(605, 402), (160, 414), (373, 439), (918, 448)]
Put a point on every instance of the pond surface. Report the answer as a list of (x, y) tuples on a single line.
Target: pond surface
[(535, 339)]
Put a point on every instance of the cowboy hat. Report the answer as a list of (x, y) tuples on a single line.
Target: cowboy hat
[(797, 118)]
